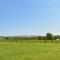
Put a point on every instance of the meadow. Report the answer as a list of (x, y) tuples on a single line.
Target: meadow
[(29, 51)]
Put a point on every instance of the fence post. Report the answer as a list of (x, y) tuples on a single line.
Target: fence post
[(52, 40), (45, 40)]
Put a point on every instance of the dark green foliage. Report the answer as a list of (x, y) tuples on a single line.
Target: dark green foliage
[(39, 37), (49, 36)]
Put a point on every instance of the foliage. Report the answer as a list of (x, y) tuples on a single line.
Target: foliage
[(49, 36)]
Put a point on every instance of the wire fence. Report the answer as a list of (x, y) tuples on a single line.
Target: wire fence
[(32, 41)]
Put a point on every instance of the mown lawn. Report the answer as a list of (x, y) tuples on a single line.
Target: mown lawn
[(29, 51)]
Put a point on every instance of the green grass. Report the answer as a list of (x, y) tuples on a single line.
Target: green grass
[(29, 51)]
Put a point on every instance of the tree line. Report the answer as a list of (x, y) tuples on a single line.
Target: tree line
[(49, 36)]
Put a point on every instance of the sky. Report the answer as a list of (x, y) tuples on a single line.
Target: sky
[(29, 17)]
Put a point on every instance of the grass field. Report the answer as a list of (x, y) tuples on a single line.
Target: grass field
[(29, 51)]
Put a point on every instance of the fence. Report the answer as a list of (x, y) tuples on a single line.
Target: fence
[(32, 41)]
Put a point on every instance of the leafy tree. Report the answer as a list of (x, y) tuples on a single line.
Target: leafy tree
[(6, 38), (39, 37), (49, 36)]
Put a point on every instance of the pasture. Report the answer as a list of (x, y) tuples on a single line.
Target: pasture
[(29, 51)]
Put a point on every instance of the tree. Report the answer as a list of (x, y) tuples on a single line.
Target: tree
[(49, 36), (56, 37), (39, 37), (6, 38)]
